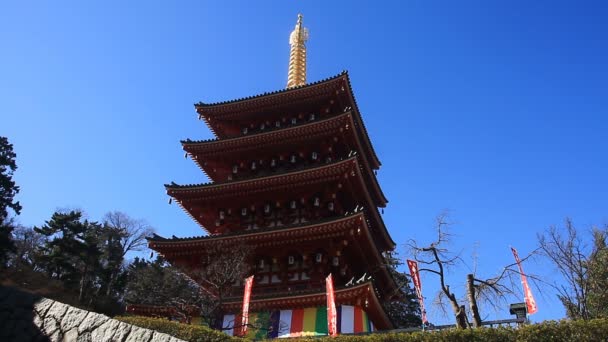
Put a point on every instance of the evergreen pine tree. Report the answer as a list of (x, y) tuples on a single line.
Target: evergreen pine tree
[(8, 190), (404, 310)]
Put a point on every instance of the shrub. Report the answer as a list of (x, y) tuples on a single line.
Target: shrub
[(188, 332), (553, 331)]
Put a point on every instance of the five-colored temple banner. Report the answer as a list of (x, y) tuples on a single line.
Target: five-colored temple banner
[(332, 315), (246, 297), (300, 322), (413, 265), (530, 302)]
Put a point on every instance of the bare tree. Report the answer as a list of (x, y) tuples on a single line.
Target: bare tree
[(437, 259), (27, 242), (568, 253), (128, 234), (223, 266), (134, 231)]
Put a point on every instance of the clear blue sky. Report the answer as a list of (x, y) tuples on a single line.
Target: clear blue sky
[(495, 110)]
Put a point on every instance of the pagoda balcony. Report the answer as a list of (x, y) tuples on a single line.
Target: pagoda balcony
[(296, 257), (203, 201)]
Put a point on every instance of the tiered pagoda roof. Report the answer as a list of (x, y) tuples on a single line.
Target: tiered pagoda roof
[(216, 115)]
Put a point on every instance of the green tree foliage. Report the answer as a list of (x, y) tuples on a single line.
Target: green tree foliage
[(597, 266), (87, 257), (404, 310), (158, 283), (8, 190), (71, 253), (583, 267)]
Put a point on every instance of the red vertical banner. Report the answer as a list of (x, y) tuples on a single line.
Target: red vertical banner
[(530, 302), (413, 266), (332, 314), (246, 297)]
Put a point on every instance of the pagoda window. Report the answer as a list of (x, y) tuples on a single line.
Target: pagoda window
[(245, 130), (277, 124), (318, 257), (274, 279), (312, 117), (273, 162), (314, 156), (253, 166), (262, 126), (243, 211), (291, 260), (263, 280), (294, 121), (316, 201), (328, 159), (293, 159), (335, 261), (222, 214), (330, 206), (235, 169), (293, 204)]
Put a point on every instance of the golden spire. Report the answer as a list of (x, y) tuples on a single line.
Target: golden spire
[(297, 55)]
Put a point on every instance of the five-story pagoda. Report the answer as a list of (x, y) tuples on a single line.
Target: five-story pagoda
[(292, 177)]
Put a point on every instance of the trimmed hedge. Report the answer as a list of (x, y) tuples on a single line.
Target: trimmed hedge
[(188, 332), (548, 331)]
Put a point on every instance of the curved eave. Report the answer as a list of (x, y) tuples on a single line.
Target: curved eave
[(359, 120), (199, 149), (251, 102), (386, 237), (353, 295), (198, 190), (200, 241), (215, 145)]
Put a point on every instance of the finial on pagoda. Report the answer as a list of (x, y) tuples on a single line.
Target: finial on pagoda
[(297, 56)]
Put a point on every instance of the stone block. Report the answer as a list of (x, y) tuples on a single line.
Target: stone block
[(91, 322), (106, 331), (138, 334), (122, 331), (43, 305), (72, 318)]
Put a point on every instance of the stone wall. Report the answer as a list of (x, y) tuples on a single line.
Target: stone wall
[(27, 317)]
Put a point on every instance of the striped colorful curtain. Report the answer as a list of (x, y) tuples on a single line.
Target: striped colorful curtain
[(301, 322)]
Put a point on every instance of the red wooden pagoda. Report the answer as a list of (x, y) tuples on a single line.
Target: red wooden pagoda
[(292, 176)]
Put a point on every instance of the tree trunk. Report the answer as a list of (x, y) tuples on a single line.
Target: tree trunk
[(83, 281), (459, 311), (473, 302), (110, 284), (462, 321)]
